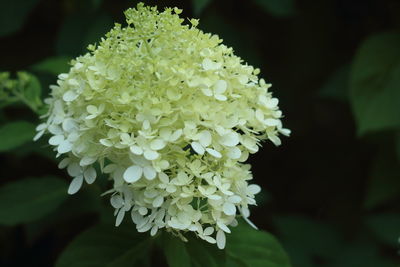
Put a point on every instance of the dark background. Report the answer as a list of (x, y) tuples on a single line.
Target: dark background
[(330, 195)]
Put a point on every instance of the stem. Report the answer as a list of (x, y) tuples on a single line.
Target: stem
[(148, 47)]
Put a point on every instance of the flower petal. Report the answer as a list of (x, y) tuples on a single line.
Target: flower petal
[(207, 91), (176, 135), (64, 163), (74, 169), (229, 208), (86, 160), (220, 87), (158, 201), (157, 144), (116, 201), (221, 239), (214, 153), (223, 227), (151, 154), (253, 189), (234, 153), (75, 185), (220, 97), (205, 138), (64, 147), (149, 172), (69, 96), (137, 150), (230, 139), (120, 217), (207, 64), (198, 148), (133, 173), (56, 140), (90, 175)]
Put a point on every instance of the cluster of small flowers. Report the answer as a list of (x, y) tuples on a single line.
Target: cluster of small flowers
[(169, 114)]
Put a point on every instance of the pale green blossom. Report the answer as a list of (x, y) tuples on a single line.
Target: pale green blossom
[(169, 114)]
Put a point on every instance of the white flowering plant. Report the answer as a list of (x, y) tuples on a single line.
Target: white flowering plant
[(165, 116)]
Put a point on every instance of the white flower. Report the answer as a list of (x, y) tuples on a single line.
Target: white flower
[(201, 143), (217, 90), (206, 234), (229, 207), (141, 167), (165, 183), (80, 173), (94, 111), (169, 114)]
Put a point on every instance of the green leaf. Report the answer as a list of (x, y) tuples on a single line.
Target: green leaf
[(86, 202), (29, 199), (13, 14), (255, 248), (195, 252), (205, 254), (37, 148), (32, 89), (362, 253), (132, 256), (386, 227), (234, 262), (199, 6), (375, 83), (14, 134), (106, 245), (306, 239), (175, 251), (26, 89), (53, 65), (277, 8), (337, 86)]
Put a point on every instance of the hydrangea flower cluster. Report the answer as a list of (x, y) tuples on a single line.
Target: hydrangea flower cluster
[(169, 114)]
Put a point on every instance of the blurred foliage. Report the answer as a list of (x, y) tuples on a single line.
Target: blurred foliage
[(30, 199), (13, 14), (277, 8), (248, 247), (336, 86), (26, 88), (103, 245), (374, 85), (52, 65), (199, 6), (16, 133), (385, 227), (384, 181), (331, 192)]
